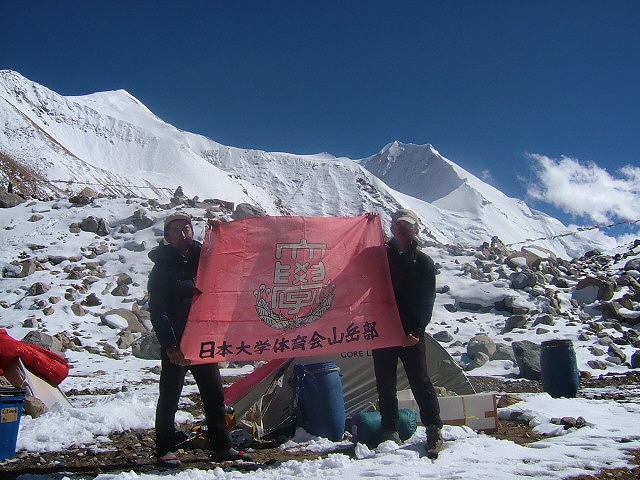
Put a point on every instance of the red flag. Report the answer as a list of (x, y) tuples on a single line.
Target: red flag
[(280, 287)]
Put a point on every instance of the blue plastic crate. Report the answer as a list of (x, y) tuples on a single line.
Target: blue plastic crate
[(10, 412)]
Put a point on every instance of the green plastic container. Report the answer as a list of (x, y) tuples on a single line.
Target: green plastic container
[(367, 429)]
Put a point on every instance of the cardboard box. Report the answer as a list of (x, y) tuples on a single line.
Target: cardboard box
[(477, 411)]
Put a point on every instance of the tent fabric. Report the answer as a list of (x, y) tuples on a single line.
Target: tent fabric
[(45, 363), (266, 396), (282, 287), (18, 375)]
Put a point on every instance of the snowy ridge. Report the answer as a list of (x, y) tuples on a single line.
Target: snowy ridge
[(113, 143)]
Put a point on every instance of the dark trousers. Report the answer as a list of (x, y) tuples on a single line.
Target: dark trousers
[(414, 360), (207, 377)]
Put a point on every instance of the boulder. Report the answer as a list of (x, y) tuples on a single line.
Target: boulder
[(522, 280), (481, 343), (92, 300), (120, 290), (611, 311), (89, 224), (246, 210), (21, 269), (635, 359), (443, 336), (123, 319), (84, 197), (8, 200), (543, 320), (633, 264), (43, 340), (146, 347), (615, 351), (33, 406), (597, 364), (503, 352), (515, 321), (125, 340), (38, 288), (528, 359), (588, 286), (478, 360)]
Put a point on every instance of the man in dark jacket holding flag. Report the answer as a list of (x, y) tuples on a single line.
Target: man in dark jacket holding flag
[(414, 284), (171, 287)]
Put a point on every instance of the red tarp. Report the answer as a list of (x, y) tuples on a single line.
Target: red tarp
[(45, 363), (280, 287)]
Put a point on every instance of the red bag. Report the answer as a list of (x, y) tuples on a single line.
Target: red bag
[(44, 363)]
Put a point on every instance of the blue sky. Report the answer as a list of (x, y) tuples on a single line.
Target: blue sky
[(539, 98)]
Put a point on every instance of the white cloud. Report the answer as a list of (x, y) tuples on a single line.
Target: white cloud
[(486, 176), (585, 189)]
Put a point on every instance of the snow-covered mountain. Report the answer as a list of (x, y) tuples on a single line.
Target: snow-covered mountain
[(51, 144)]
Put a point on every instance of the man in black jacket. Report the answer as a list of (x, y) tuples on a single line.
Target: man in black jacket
[(171, 286), (414, 284)]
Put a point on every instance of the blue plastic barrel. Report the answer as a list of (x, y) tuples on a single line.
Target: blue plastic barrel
[(559, 370), (11, 399), (320, 399)]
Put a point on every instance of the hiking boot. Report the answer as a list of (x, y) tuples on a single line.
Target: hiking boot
[(168, 460), (433, 445), (390, 435), (230, 454)]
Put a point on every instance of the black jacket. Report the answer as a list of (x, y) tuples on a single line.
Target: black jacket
[(171, 286), (413, 274)]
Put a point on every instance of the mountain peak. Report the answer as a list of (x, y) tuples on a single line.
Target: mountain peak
[(112, 140), (397, 147)]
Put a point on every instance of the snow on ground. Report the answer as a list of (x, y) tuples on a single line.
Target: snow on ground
[(611, 431)]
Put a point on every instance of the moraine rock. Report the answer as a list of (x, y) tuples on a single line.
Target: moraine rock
[(616, 352), (481, 343), (528, 359), (120, 290), (544, 320), (246, 210), (8, 200), (89, 224), (635, 359), (136, 246), (522, 280), (38, 288), (503, 352), (33, 406), (140, 220), (123, 319), (124, 279), (21, 269), (633, 264), (43, 340), (31, 322), (85, 197), (478, 360), (92, 300), (597, 364), (443, 336), (146, 347), (77, 309), (125, 340), (590, 289), (611, 311), (515, 321)]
